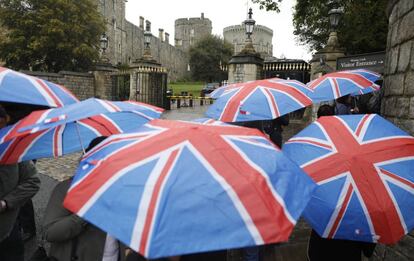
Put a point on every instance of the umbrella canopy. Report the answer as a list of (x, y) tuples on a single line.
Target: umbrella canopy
[(22, 88), (219, 91), (364, 168), (59, 131), (259, 100), (331, 86), (51, 118), (175, 187), (66, 138)]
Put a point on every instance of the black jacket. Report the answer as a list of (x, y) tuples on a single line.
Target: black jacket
[(322, 249)]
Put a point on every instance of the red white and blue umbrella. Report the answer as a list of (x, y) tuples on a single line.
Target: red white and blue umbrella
[(17, 87), (67, 138), (364, 168), (259, 100), (56, 132), (47, 119), (331, 86), (219, 91), (174, 188)]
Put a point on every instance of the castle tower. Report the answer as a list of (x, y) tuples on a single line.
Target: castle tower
[(262, 39), (189, 30)]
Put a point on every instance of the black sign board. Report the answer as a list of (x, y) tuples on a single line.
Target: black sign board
[(370, 61)]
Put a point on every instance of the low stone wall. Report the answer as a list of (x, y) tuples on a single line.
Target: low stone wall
[(81, 84)]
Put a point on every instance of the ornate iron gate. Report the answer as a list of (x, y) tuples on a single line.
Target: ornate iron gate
[(121, 87), (150, 85)]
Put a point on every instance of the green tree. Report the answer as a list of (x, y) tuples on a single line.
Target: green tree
[(206, 56), (50, 35), (363, 28), (268, 4)]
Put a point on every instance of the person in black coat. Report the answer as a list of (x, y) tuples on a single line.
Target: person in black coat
[(323, 249), (274, 129)]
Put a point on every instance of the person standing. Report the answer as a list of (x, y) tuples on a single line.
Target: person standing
[(18, 184), (343, 105), (274, 129), (26, 217), (71, 237)]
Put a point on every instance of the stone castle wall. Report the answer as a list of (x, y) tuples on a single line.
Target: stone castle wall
[(398, 101), (398, 105), (189, 30), (126, 41), (261, 38), (173, 59)]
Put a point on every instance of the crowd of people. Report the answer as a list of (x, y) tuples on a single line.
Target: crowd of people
[(72, 238)]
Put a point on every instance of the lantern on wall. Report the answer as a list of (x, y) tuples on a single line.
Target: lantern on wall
[(104, 42)]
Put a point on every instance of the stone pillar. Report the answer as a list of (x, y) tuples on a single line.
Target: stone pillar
[(398, 100), (245, 68), (246, 65), (103, 81), (323, 62), (167, 37), (141, 23), (161, 34)]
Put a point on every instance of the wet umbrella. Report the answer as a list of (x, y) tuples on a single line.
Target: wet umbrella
[(56, 132), (333, 85), (16, 87), (259, 100), (174, 188), (364, 168)]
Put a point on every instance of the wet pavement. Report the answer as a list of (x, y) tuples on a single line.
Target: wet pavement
[(185, 113), (54, 170)]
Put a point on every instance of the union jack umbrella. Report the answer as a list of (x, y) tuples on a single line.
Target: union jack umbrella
[(60, 131), (209, 121), (331, 86), (364, 168), (22, 88), (51, 118), (66, 138), (219, 91), (259, 100), (174, 188)]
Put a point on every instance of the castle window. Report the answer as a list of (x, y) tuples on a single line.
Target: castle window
[(178, 42), (192, 32)]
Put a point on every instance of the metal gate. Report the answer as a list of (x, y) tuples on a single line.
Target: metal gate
[(151, 86), (121, 87)]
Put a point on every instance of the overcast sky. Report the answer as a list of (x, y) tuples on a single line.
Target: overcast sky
[(222, 13)]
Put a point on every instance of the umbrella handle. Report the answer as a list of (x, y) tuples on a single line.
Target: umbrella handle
[(80, 138)]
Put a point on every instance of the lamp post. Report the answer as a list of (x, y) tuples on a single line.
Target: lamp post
[(249, 26), (104, 45), (334, 17), (147, 41)]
